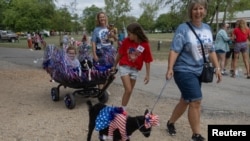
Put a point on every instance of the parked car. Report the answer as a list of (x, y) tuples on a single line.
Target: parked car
[(21, 34), (7, 35), (45, 33)]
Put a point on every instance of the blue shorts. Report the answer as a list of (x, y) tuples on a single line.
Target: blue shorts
[(189, 85), (220, 51), (240, 47), (126, 70)]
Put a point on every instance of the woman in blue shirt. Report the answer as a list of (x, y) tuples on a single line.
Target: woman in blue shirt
[(221, 45), (102, 49), (185, 64)]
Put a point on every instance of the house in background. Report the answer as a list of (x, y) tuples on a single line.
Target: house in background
[(237, 15)]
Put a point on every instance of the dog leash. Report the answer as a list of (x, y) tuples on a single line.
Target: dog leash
[(163, 88)]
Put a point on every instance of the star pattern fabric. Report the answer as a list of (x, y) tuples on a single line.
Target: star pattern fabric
[(104, 118)]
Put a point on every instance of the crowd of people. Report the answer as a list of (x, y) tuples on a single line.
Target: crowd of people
[(230, 43), (185, 60), (35, 41)]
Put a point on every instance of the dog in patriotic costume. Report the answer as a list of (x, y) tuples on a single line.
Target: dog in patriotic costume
[(113, 123)]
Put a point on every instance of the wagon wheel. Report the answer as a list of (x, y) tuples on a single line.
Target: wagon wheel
[(69, 101), (55, 94), (104, 97)]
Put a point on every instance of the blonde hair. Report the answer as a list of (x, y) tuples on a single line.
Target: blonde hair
[(243, 25), (98, 16), (191, 5)]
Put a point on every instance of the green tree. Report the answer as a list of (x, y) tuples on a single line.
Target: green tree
[(116, 11), (62, 20), (149, 13), (89, 20), (214, 6), (3, 5), (29, 15), (167, 22), (76, 24), (229, 7)]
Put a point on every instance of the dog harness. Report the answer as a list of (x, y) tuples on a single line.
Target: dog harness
[(119, 122)]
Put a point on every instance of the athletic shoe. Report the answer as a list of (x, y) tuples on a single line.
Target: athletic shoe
[(197, 137), (231, 71), (171, 129), (224, 73)]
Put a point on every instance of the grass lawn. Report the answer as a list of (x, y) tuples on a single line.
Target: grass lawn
[(154, 38)]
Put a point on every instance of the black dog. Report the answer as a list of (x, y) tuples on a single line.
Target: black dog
[(132, 124)]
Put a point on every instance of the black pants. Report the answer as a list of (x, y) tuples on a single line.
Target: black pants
[(36, 46)]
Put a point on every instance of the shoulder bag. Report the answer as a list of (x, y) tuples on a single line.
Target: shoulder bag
[(207, 71)]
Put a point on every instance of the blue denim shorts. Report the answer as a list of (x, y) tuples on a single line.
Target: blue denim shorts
[(220, 51), (189, 84), (126, 70), (241, 47)]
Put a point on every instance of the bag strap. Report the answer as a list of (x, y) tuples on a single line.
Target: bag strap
[(203, 52)]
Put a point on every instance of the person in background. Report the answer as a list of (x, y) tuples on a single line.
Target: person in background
[(84, 38), (72, 60), (65, 41), (84, 53), (43, 42), (121, 37), (185, 64), (134, 51), (37, 41), (112, 33), (230, 53), (72, 41), (102, 49), (29, 40), (248, 37), (229, 57), (221, 45), (240, 36)]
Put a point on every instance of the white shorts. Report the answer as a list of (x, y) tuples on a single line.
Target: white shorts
[(126, 70)]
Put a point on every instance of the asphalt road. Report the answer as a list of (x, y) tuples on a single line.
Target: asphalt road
[(230, 96)]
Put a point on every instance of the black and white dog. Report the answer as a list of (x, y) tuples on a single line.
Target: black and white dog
[(142, 123)]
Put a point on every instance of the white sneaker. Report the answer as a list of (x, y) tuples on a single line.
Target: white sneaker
[(222, 72)]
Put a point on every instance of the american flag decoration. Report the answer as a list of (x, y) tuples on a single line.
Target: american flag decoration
[(151, 120)]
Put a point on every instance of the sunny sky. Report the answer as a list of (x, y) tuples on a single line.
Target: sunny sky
[(82, 4)]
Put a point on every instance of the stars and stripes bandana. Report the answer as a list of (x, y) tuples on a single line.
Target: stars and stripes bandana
[(151, 120)]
